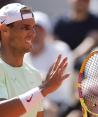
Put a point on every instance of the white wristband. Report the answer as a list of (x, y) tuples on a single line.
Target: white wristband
[(31, 98)]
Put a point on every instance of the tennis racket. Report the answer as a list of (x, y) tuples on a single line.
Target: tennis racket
[(88, 84)]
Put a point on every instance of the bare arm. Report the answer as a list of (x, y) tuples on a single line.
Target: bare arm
[(40, 114), (11, 108), (14, 107)]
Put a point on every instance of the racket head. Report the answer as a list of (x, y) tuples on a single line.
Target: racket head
[(88, 83)]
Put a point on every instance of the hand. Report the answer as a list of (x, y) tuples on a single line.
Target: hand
[(55, 76)]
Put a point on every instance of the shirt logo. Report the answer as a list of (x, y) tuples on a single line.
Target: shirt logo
[(30, 98)]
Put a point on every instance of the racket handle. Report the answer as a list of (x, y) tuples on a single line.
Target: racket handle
[(84, 112)]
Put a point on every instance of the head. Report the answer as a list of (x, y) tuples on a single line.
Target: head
[(42, 30), (80, 5), (17, 28)]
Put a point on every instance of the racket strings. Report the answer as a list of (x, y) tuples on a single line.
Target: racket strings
[(90, 83)]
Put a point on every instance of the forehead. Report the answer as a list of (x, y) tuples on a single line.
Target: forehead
[(30, 21)]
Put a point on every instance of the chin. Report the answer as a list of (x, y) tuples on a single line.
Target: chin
[(28, 50)]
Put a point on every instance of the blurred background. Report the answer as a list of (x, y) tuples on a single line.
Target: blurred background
[(56, 7), (49, 43), (64, 102)]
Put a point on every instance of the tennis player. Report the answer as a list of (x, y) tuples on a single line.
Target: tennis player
[(21, 88)]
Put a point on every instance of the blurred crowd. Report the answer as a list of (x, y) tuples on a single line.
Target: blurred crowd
[(73, 35)]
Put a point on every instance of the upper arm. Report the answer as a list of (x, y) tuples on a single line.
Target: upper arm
[(40, 114)]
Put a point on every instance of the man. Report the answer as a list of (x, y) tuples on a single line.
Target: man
[(79, 29), (17, 78), (45, 49)]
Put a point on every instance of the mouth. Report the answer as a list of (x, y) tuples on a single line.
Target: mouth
[(28, 42)]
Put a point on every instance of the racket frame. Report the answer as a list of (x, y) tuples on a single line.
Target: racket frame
[(82, 101)]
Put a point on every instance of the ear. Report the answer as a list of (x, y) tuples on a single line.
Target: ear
[(3, 28)]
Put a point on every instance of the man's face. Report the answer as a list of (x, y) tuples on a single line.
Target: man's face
[(20, 35), (80, 5)]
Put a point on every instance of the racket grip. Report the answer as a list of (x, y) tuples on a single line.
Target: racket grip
[(84, 112), (84, 109)]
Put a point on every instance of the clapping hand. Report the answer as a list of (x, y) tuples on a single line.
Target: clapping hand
[(55, 76)]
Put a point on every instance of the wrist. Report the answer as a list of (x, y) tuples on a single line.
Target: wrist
[(43, 90), (31, 98)]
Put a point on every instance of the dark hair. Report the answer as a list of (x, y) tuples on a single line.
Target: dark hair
[(5, 2)]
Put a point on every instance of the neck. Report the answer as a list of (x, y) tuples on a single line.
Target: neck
[(79, 16), (13, 59)]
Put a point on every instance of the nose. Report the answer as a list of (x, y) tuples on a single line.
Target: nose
[(32, 33)]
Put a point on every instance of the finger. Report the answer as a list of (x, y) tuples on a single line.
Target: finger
[(62, 78), (53, 69), (62, 69), (57, 62), (65, 77), (63, 64), (53, 76), (59, 71), (49, 73)]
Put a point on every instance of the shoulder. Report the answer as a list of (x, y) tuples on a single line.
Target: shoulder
[(93, 17), (64, 18), (61, 20)]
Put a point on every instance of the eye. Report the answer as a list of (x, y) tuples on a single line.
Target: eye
[(25, 28), (34, 29)]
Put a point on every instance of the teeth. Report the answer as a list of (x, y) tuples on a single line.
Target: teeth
[(28, 41)]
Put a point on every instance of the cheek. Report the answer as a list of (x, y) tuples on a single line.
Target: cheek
[(16, 39), (20, 37), (14, 42)]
